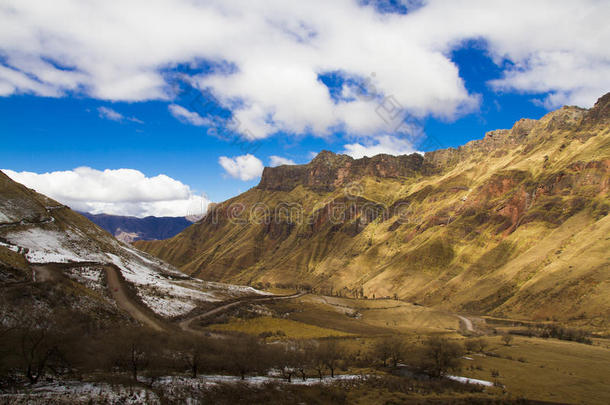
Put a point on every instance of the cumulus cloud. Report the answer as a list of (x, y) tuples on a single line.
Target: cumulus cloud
[(244, 167), (186, 116), (279, 161), (112, 115), (278, 50), (117, 192), (388, 144)]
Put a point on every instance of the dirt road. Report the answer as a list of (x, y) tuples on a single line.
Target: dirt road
[(53, 272), (44, 272), (467, 323), (186, 324), (117, 289)]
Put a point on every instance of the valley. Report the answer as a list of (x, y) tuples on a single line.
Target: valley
[(469, 275), (512, 225)]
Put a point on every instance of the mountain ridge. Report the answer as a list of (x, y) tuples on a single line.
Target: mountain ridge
[(511, 224), (128, 229)]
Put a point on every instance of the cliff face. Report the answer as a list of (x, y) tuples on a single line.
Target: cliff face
[(328, 171), (515, 223)]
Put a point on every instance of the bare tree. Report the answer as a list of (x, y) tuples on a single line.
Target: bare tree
[(245, 356), (304, 358), (382, 350), (318, 361), (441, 355), (392, 348), (397, 349), (331, 353), (135, 349), (196, 352), (8, 324), (36, 347), (507, 339)]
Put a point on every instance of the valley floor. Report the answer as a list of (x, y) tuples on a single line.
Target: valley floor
[(538, 369)]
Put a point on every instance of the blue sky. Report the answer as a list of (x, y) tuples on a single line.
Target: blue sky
[(50, 134), (313, 88)]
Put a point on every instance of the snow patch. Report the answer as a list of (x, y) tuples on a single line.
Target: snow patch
[(238, 289), (90, 277), (46, 246), (167, 291), (255, 380), (466, 380), (4, 217), (82, 392), (10, 247), (161, 294)]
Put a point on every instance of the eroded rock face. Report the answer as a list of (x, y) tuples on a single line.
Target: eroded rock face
[(328, 171)]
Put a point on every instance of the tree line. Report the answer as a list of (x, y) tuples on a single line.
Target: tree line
[(58, 344)]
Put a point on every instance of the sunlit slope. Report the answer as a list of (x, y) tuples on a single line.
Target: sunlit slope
[(514, 224)]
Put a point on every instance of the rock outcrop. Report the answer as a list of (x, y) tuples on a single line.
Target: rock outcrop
[(329, 171)]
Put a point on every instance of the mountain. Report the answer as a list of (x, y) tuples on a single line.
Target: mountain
[(52, 258), (515, 224), (129, 229)]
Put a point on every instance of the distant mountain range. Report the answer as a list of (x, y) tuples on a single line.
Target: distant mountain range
[(129, 229), (515, 224)]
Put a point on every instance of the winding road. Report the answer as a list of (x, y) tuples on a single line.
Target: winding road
[(185, 325), (118, 290)]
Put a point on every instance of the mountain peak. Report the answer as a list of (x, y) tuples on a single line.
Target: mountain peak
[(600, 112)]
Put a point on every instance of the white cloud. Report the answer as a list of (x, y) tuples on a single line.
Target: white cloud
[(279, 161), (110, 114), (244, 167), (279, 47), (387, 144), (118, 192), (186, 116), (113, 115)]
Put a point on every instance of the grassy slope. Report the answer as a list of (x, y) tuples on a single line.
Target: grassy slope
[(513, 225)]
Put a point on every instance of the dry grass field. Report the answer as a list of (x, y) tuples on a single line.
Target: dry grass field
[(549, 370)]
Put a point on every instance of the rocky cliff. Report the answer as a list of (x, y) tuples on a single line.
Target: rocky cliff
[(328, 171)]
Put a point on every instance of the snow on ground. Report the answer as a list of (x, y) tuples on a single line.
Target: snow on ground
[(46, 246), (4, 218), (235, 289), (206, 380), (160, 293), (10, 247), (467, 380), (90, 276), (75, 392), (167, 291), (168, 307)]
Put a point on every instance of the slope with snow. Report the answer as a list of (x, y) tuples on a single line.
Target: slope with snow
[(44, 231)]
